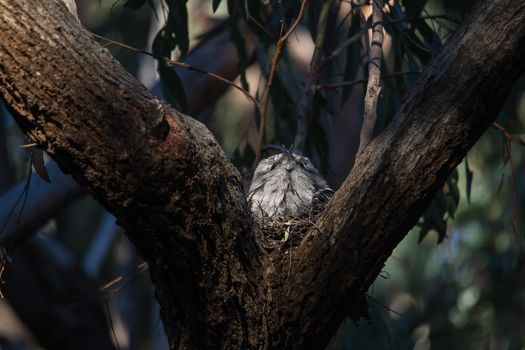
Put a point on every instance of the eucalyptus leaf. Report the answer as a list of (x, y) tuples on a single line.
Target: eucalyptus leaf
[(215, 5), (468, 176), (175, 32), (134, 4), (172, 86)]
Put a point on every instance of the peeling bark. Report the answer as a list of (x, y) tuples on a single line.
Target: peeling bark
[(171, 187)]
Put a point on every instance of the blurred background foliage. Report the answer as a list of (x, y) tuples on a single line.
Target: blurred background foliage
[(457, 281)]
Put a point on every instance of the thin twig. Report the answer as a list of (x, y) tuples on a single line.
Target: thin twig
[(514, 218), (517, 138), (110, 320), (119, 282), (305, 111), (362, 81), (182, 65), (421, 18), (266, 95), (374, 71), (383, 306), (23, 198), (510, 138)]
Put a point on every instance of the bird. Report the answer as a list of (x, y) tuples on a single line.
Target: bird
[(286, 186)]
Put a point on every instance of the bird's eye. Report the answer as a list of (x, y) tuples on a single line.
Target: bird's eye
[(273, 166)]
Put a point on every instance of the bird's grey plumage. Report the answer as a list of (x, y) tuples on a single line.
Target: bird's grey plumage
[(284, 186)]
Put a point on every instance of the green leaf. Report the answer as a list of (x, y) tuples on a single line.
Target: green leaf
[(452, 193), (172, 86), (408, 36), (444, 203), (413, 8), (178, 24), (215, 5), (37, 159), (469, 175), (134, 4), (163, 44)]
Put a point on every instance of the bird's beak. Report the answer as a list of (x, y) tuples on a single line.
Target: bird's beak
[(289, 164)]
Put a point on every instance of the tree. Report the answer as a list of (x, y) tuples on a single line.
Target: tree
[(180, 200)]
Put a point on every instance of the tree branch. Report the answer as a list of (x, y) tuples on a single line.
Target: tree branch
[(373, 89), (184, 65), (46, 200), (161, 173), (454, 101), (265, 100), (510, 137)]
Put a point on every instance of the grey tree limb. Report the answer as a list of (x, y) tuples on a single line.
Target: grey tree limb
[(63, 190), (373, 89)]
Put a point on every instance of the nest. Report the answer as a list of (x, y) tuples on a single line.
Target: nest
[(285, 232)]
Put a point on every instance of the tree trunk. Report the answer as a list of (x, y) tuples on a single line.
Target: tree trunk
[(169, 184)]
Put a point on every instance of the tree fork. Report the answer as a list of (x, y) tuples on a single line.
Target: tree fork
[(161, 173), (171, 187)]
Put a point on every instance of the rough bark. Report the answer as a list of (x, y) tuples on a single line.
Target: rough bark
[(165, 178), (159, 172), (46, 200)]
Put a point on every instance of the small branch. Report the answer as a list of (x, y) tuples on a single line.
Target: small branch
[(510, 138), (422, 18), (305, 111), (517, 138), (514, 217), (374, 71), (266, 95), (182, 65), (362, 81)]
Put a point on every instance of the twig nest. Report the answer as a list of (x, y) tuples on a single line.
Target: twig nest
[(288, 232)]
